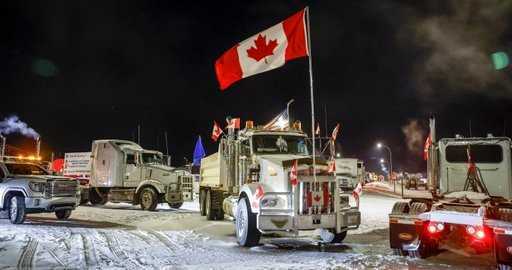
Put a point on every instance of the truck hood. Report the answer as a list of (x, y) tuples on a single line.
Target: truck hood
[(160, 167), (41, 177), (286, 160)]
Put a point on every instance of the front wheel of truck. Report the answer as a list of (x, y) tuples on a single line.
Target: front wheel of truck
[(148, 199), (175, 205), (63, 214), (17, 209), (247, 234)]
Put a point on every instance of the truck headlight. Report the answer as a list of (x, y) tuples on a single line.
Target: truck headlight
[(36, 186), (269, 202)]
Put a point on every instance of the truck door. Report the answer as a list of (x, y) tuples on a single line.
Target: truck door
[(133, 174)]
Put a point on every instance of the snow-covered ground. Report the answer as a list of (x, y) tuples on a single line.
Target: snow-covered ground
[(121, 236)]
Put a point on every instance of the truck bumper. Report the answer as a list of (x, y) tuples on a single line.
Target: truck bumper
[(503, 247), (39, 205), (349, 219)]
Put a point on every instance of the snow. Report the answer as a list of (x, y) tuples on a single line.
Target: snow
[(397, 189), (471, 195), (374, 212)]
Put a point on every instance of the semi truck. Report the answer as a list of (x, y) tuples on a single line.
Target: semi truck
[(249, 180), (122, 171), (469, 209), (350, 172)]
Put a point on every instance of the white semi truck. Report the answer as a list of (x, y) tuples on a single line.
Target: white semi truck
[(249, 180), (470, 210), (350, 172), (122, 171)]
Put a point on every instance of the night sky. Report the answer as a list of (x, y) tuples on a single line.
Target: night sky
[(76, 71)]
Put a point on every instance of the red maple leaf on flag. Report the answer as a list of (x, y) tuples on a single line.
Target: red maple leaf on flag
[(262, 49)]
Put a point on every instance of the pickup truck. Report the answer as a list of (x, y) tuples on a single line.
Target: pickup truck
[(27, 187)]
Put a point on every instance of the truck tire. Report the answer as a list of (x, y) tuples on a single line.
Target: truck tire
[(418, 208), (175, 205), (148, 199), (339, 237), (63, 214), (213, 205), (202, 202), (17, 209), (96, 197), (400, 208), (247, 234)]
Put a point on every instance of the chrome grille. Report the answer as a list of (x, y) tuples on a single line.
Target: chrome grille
[(61, 188)]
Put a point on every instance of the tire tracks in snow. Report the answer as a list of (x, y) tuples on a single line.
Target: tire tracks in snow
[(91, 258), (121, 256), (26, 260), (165, 241)]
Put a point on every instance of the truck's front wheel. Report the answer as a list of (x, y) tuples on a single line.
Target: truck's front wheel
[(148, 199), (247, 234), (63, 214), (202, 202), (96, 197), (17, 209)]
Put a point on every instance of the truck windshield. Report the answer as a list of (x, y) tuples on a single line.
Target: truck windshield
[(152, 158), (279, 144), (479, 153), (25, 169)]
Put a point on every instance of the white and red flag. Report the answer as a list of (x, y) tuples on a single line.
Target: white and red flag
[(293, 173), (357, 192), (331, 166), (265, 51), (428, 143), (317, 130), (335, 132), (233, 123), (216, 131)]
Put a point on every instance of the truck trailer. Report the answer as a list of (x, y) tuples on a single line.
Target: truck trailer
[(469, 210), (248, 179)]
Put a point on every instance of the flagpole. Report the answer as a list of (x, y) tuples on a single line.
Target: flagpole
[(311, 91)]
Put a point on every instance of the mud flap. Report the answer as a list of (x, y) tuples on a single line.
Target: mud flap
[(503, 248), (404, 236)]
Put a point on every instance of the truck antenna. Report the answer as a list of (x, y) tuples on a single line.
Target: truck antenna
[(138, 134), (166, 144)]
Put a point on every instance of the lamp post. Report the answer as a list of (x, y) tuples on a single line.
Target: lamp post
[(381, 145)]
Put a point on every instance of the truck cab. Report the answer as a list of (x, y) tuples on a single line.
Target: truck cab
[(248, 179), (26, 187)]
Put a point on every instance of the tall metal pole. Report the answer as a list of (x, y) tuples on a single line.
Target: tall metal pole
[(138, 134), (166, 144), (311, 91)]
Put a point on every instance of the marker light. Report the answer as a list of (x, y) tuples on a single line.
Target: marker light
[(480, 234), (470, 230), (432, 228), (440, 226)]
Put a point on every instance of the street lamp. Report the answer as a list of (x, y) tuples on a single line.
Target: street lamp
[(380, 146)]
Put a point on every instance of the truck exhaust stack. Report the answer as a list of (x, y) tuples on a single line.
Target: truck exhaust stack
[(38, 146)]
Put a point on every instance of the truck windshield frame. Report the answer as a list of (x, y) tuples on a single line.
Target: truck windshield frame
[(152, 158), (279, 144), (480, 153), (25, 169)]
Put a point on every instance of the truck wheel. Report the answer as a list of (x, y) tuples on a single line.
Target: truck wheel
[(425, 249), (213, 207), (148, 199), (339, 237), (202, 202), (209, 212), (175, 205), (96, 198), (247, 234), (63, 214), (17, 209)]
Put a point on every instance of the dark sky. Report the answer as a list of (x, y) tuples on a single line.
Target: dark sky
[(82, 70)]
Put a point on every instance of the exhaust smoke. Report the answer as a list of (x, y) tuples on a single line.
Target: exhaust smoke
[(13, 124), (414, 136)]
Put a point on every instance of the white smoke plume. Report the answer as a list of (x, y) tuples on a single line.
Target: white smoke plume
[(414, 136), (459, 40), (13, 124)]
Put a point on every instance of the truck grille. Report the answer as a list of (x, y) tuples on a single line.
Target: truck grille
[(61, 188), (317, 197), (186, 183)]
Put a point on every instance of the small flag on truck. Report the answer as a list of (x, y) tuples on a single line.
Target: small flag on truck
[(293, 173), (216, 132), (428, 143)]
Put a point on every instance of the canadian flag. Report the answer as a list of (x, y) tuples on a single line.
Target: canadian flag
[(216, 132), (293, 174), (233, 123), (335, 132), (428, 143), (357, 192), (264, 51), (331, 166)]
